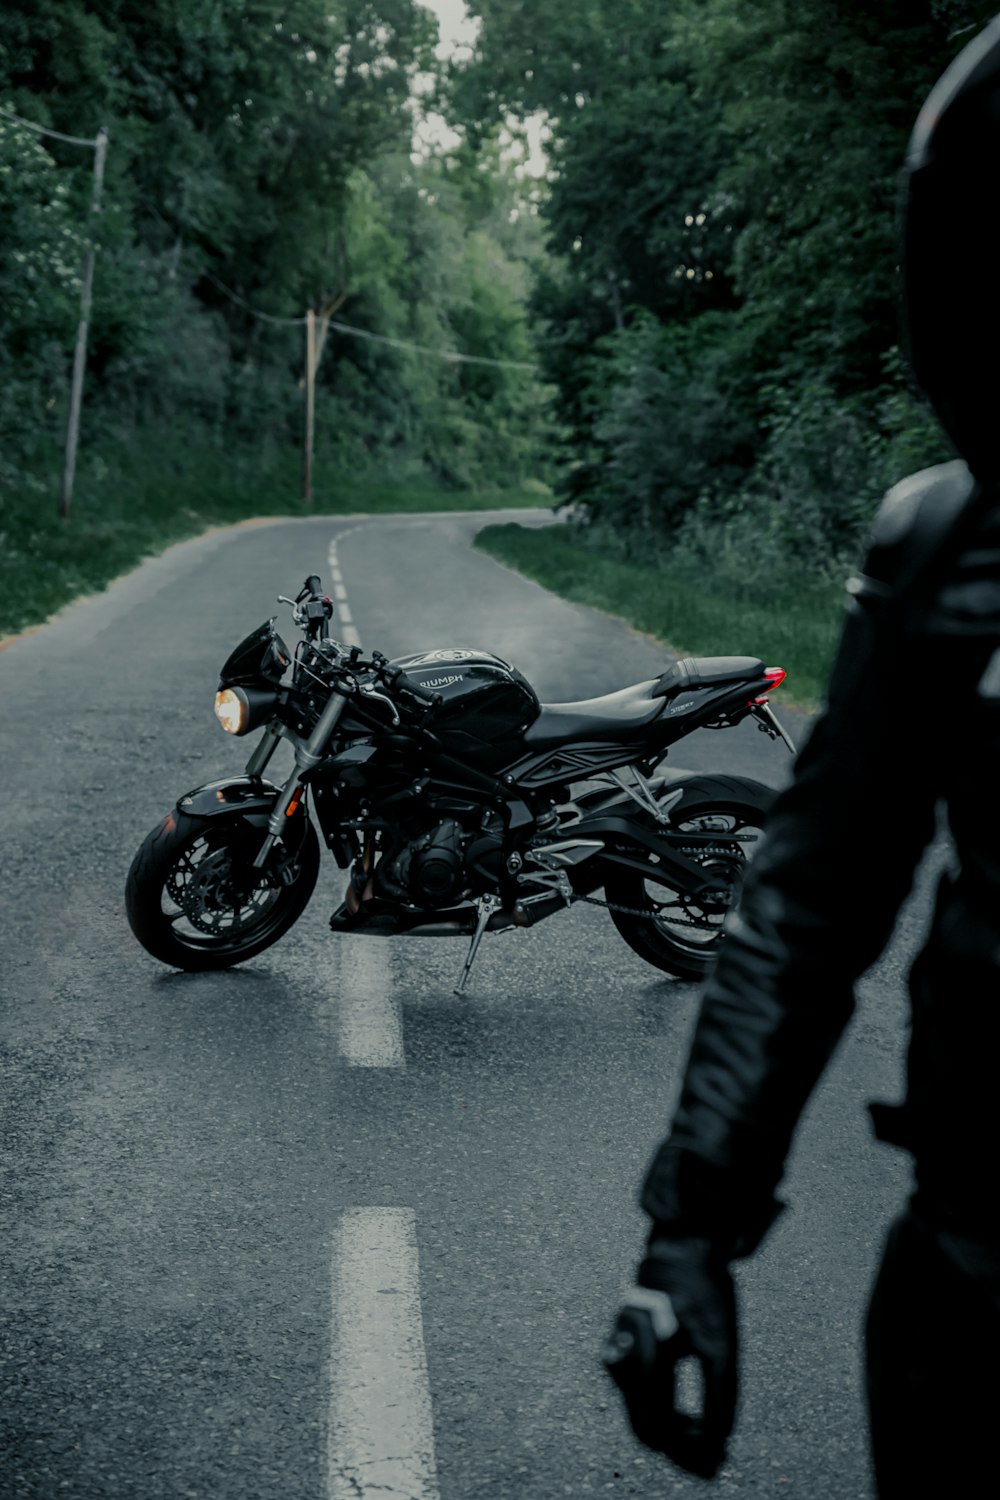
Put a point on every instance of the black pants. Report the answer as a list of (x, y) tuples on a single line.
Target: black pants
[(933, 1354)]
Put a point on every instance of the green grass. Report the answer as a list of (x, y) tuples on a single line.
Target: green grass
[(135, 501), (794, 625)]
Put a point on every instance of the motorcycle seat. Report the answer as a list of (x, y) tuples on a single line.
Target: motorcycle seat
[(692, 672), (615, 716)]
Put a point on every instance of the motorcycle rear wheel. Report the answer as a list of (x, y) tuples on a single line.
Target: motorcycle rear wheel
[(681, 936), (194, 900)]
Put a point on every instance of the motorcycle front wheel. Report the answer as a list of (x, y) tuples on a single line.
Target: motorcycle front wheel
[(195, 901), (675, 932)]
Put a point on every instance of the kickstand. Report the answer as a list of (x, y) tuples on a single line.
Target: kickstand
[(487, 906)]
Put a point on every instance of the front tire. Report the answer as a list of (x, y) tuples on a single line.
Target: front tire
[(194, 900), (677, 934)]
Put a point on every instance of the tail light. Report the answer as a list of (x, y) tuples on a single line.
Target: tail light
[(774, 677)]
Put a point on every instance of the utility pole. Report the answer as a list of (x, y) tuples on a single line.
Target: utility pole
[(80, 354), (310, 401)]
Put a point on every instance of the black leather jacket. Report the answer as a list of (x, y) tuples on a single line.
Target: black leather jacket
[(912, 720)]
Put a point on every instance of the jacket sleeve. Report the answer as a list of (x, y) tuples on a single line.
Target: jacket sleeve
[(843, 842)]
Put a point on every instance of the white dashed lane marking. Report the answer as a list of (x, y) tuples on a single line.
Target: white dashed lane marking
[(381, 1427), (371, 1027), (345, 628), (380, 1438)]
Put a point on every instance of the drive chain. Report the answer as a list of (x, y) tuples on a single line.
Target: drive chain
[(654, 911), (646, 913)]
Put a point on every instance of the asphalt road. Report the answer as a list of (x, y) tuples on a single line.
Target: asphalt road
[(228, 1228)]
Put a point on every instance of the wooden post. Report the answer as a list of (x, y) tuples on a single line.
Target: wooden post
[(310, 400), (80, 354)]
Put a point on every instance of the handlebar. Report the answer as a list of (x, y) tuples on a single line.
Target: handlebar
[(312, 588), (312, 610), (404, 684), (396, 678)]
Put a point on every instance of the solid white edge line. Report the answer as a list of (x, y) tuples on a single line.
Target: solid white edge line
[(380, 1438)]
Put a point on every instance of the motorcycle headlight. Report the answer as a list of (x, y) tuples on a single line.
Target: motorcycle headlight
[(239, 710), (232, 710)]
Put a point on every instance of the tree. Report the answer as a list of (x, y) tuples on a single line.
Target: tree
[(39, 287), (260, 163), (721, 216)]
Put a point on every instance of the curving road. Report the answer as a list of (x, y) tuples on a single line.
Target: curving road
[(315, 1227)]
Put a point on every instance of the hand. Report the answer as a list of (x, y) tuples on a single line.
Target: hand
[(685, 1306)]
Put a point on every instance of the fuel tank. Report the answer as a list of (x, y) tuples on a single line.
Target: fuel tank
[(486, 703)]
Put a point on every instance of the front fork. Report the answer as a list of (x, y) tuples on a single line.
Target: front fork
[(307, 755)]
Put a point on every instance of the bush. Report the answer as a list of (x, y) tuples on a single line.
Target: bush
[(672, 419)]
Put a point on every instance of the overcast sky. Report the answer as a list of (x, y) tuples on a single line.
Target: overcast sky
[(459, 30), (454, 23)]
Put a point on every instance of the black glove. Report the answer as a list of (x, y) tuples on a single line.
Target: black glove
[(685, 1304)]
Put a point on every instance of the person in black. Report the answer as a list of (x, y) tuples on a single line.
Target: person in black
[(923, 621)]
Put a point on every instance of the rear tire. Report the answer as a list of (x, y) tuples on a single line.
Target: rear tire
[(194, 900), (679, 936)]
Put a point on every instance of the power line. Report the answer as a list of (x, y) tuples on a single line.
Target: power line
[(254, 312), (99, 146), (451, 355), (72, 140)]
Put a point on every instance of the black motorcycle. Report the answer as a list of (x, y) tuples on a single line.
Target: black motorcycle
[(457, 801)]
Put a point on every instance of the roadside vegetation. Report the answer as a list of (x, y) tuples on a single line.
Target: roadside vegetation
[(684, 323), (261, 164), (136, 500), (792, 624)]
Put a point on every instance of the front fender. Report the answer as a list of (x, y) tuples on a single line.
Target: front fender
[(239, 794), (248, 798)]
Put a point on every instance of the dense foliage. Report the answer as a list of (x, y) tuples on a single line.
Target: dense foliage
[(718, 315), (260, 158), (707, 276)]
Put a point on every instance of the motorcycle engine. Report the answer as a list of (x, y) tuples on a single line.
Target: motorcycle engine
[(428, 870)]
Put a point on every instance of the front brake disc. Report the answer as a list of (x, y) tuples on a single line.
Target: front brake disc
[(209, 896)]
